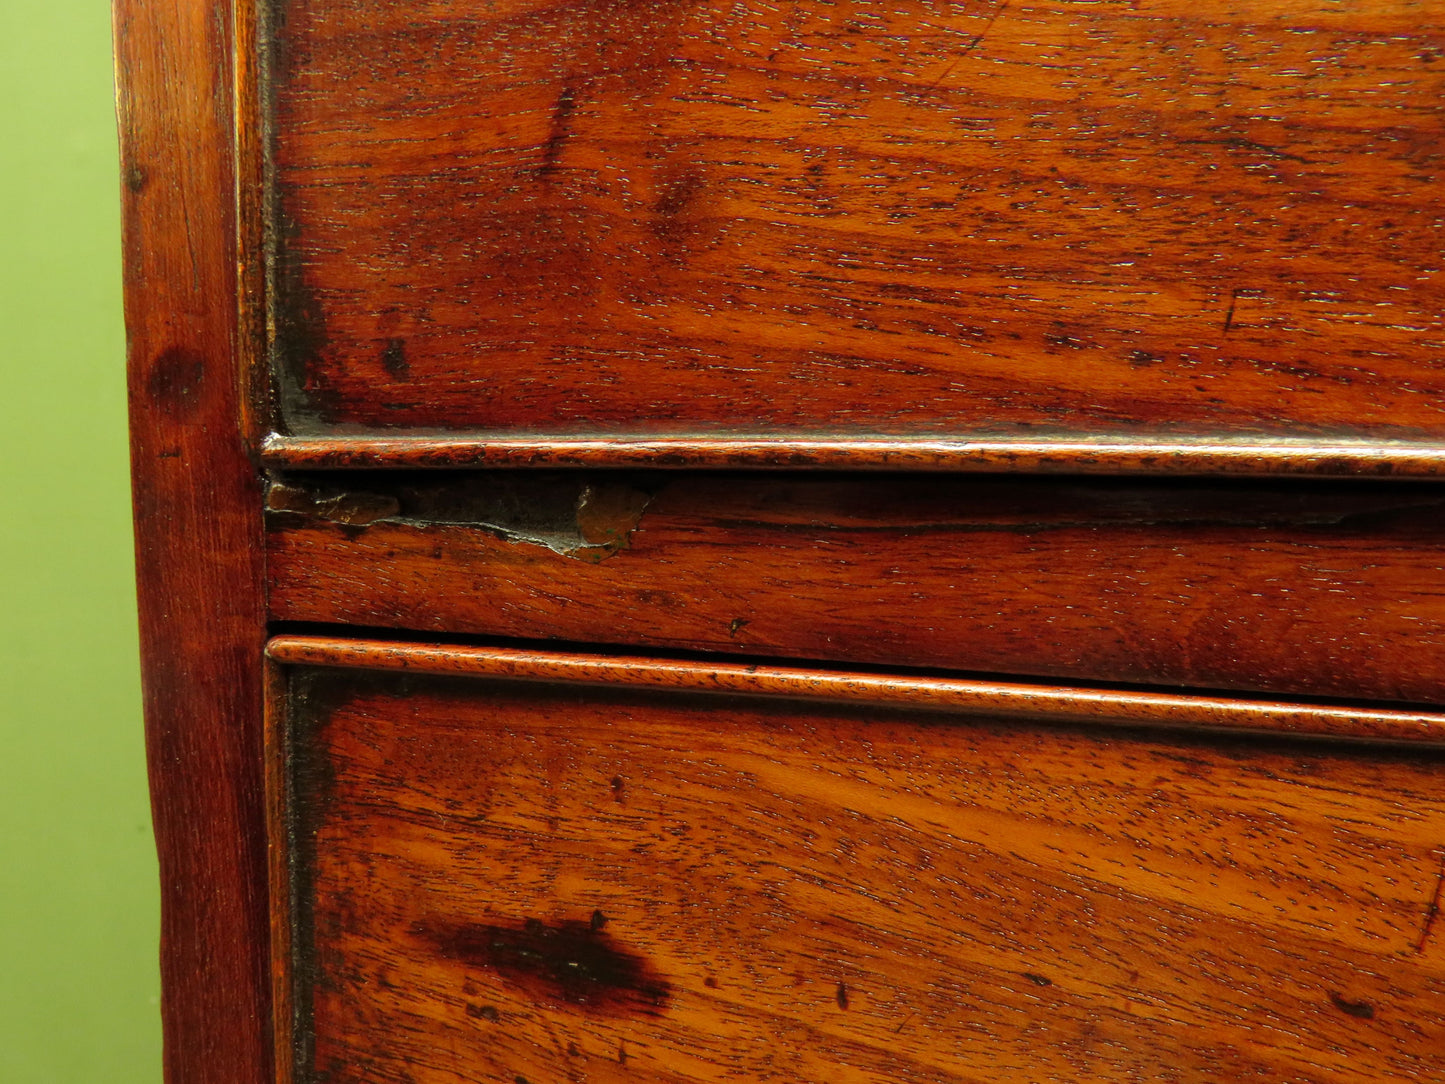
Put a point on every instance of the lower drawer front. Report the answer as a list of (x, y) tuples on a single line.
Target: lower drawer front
[(532, 881)]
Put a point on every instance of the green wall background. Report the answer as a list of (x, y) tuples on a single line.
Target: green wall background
[(78, 895)]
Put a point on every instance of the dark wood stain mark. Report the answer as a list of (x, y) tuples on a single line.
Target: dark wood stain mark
[(842, 995), (621, 1053), (312, 785), (176, 380), (571, 961), (673, 211), (561, 121), (677, 194), (619, 790), (1360, 1010), (598, 920), (393, 359), (1433, 911), (484, 1012), (1037, 979), (710, 983), (136, 177), (303, 381)]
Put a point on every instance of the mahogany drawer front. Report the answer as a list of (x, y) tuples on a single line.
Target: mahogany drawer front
[(1318, 589), (904, 221), (495, 879)]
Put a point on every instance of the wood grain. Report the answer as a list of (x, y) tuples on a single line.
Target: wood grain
[(1303, 589), (903, 221), (515, 881), (197, 521), (961, 696)]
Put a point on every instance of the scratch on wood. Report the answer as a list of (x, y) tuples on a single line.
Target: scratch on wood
[(1229, 313), (971, 46), (1240, 144), (1433, 911)]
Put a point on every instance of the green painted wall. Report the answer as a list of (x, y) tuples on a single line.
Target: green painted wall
[(78, 893)]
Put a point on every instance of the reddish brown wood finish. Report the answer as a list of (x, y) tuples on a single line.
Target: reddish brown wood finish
[(197, 521), (927, 220), (1116, 707), (515, 881), (1320, 589), (1160, 238)]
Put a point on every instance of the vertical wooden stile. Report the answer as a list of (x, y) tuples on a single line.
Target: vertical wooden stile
[(199, 565)]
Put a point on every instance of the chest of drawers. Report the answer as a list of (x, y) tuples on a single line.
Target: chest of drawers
[(835, 541)]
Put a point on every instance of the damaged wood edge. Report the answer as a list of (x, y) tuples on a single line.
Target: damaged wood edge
[(1064, 704), (1204, 456), (594, 520), (1432, 912)]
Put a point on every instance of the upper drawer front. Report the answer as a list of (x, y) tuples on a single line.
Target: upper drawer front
[(904, 222), (1307, 589), (502, 881)]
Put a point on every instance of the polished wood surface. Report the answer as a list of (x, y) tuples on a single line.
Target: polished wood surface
[(960, 696), (920, 220), (958, 777), (1318, 589), (1203, 456), (197, 522), (500, 880)]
